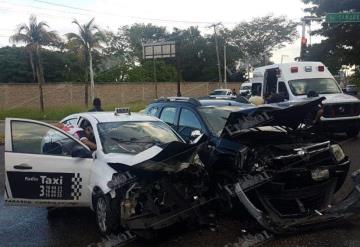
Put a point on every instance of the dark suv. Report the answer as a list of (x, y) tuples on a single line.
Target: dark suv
[(186, 115), (268, 159)]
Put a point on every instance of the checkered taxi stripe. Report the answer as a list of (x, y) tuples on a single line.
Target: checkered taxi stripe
[(76, 186)]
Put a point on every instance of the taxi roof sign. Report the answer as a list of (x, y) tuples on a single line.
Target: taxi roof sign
[(123, 110)]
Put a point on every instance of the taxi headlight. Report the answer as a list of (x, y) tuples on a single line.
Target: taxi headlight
[(337, 151)]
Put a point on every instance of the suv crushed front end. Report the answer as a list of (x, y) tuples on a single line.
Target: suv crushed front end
[(285, 176)]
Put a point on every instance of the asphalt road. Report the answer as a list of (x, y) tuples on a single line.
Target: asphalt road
[(24, 226)]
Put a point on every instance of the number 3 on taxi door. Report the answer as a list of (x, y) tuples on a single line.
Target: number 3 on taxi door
[(42, 190)]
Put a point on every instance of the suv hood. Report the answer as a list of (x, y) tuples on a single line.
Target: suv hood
[(271, 115)]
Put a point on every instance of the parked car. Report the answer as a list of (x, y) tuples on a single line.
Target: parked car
[(295, 82), (142, 177), (222, 94), (267, 159), (351, 89), (232, 100)]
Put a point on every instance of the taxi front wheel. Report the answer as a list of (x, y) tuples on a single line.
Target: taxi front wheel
[(106, 216)]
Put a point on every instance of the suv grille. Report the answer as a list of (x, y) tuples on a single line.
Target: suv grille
[(341, 110), (293, 192), (300, 202), (306, 156)]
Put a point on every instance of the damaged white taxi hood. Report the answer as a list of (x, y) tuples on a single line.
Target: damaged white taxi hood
[(132, 159)]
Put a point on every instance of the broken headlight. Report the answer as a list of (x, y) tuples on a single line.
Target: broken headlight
[(120, 179), (197, 161), (337, 152), (320, 174)]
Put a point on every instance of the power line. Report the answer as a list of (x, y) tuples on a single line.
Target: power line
[(117, 15), (47, 9), (87, 15)]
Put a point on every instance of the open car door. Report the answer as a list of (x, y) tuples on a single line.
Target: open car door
[(44, 166)]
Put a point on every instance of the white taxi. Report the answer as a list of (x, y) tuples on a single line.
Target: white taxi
[(45, 166)]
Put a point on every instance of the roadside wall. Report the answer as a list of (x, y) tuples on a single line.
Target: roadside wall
[(69, 94)]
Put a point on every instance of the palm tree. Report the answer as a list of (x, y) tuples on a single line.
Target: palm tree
[(34, 36), (89, 38)]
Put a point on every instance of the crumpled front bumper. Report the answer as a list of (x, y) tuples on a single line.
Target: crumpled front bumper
[(348, 207)]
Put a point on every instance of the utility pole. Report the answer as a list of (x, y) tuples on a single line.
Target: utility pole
[(217, 50), (225, 73), (248, 71), (155, 77), (265, 62), (178, 72)]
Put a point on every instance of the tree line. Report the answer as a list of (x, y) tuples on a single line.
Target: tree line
[(92, 54), (341, 44), (117, 56)]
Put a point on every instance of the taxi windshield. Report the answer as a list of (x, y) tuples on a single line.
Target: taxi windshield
[(134, 137)]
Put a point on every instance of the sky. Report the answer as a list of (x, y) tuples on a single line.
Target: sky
[(111, 14)]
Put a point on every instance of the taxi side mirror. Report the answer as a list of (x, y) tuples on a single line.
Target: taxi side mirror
[(81, 152)]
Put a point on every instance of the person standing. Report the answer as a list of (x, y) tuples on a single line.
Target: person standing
[(234, 92), (97, 105)]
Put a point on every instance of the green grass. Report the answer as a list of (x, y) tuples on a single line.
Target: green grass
[(58, 113), (2, 138)]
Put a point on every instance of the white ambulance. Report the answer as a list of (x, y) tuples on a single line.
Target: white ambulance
[(295, 82)]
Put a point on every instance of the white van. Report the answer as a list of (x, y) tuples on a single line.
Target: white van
[(299, 80), (245, 88)]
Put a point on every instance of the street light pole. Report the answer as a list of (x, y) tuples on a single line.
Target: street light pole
[(282, 58), (305, 20)]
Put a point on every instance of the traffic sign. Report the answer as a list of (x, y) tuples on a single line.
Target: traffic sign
[(349, 17)]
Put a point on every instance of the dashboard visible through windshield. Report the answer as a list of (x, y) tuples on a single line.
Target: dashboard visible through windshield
[(134, 137), (318, 85)]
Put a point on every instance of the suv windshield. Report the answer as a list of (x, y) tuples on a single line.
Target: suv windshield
[(134, 137), (318, 85), (215, 118)]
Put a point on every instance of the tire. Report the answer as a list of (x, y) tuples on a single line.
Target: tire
[(107, 216), (352, 133), (52, 212)]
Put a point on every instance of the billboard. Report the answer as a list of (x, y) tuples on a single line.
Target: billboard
[(159, 50)]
